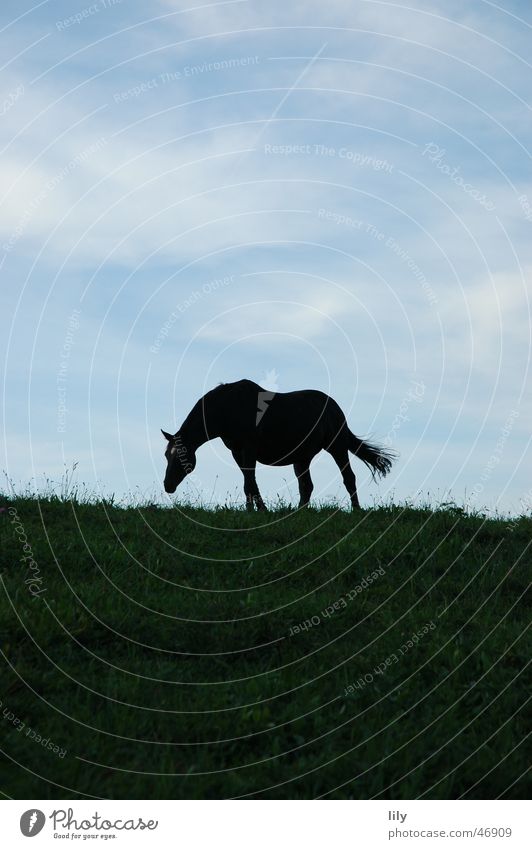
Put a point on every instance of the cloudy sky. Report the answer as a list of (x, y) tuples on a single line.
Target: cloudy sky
[(331, 195)]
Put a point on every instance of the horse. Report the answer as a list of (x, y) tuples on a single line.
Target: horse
[(275, 429)]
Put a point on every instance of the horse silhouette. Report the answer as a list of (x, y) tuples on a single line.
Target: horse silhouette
[(273, 428)]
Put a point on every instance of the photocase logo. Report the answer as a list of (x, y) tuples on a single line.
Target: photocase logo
[(32, 822), (265, 396)]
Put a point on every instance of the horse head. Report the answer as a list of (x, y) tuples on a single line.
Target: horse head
[(180, 458)]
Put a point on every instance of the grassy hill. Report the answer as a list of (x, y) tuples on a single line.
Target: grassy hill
[(187, 653)]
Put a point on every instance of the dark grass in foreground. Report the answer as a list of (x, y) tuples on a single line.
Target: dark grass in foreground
[(213, 654)]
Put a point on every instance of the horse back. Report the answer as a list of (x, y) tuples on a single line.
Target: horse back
[(282, 426), (296, 425)]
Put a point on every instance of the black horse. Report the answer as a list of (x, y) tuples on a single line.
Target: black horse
[(273, 428)]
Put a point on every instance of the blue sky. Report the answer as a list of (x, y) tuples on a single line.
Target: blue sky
[(330, 195)]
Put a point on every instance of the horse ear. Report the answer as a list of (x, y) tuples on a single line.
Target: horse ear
[(166, 435)]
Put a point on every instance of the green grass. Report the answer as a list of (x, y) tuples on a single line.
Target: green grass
[(163, 653)]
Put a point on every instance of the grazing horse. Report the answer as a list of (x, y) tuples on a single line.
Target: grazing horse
[(273, 428)]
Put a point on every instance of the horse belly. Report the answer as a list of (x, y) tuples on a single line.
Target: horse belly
[(286, 451), (273, 458)]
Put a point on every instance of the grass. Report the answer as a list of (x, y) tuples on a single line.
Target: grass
[(192, 653)]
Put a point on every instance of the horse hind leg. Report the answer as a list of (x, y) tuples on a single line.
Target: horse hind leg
[(341, 458), (304, 480)]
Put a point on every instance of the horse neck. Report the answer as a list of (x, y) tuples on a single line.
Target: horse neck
[(200, 425)]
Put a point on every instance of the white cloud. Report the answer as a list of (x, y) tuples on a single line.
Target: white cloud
[(153, 201)]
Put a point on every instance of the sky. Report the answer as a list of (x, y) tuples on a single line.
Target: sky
[(310, 195)]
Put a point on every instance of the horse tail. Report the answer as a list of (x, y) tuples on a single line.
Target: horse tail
[(376, 458)]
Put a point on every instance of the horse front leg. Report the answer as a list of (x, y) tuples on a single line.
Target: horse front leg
[(247, 463), (251, 490)]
